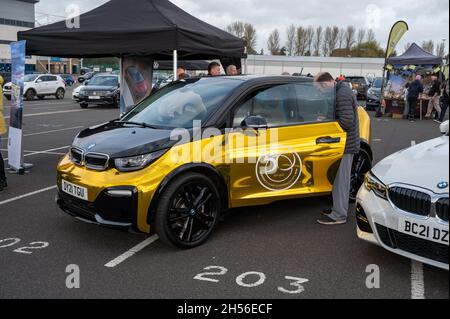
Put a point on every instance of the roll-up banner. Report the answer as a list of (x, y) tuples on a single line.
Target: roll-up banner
[(15, 151), (135, 81)]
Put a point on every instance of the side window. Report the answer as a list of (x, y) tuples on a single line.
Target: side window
[(42, 78), (288, 104), (277, 105), (314, 105), (51, 78)]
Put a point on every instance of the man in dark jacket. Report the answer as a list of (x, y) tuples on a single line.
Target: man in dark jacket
[(347, 117), (415, 89)]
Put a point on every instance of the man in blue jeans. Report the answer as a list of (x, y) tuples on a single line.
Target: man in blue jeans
[(347, 117)]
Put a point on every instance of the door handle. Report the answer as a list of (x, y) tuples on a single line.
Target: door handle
[(328, 140)]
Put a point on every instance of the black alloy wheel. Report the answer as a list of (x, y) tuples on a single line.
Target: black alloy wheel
[(188, 211), (362, 164)]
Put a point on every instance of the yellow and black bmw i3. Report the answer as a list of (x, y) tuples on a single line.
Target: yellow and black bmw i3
[(200, 146)]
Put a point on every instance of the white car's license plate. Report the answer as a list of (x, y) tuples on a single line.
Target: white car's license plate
[(74, 190), (424, 229), (94, 97)]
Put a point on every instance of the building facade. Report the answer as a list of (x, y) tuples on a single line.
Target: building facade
[(15, 16), (276, 65)]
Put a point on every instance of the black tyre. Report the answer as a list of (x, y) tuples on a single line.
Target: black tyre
[(84, 105), (30, 95), (188, 211), (8, 97), (60, 93), (362, 164)]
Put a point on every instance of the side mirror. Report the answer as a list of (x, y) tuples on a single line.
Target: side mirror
[(38, 80), (85, 82), (444, 127), (255, 122)]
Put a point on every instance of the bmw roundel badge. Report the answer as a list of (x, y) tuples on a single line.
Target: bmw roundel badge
[(442, 185)]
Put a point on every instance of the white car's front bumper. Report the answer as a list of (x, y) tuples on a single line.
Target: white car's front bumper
[(378, 223)]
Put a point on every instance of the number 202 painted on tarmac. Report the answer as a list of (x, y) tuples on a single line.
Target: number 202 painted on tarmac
[(9, 242), (297, 283)]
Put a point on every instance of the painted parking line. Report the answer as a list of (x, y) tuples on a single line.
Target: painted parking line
[(113, 263), (417, 280), (48, 132), (50, 113), (27, 195), (42, 152)]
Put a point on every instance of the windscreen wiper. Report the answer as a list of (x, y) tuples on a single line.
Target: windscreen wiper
[(145, 125)]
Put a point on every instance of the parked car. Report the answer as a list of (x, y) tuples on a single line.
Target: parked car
[(374, 94), (102, 89), (68, 79), (404, 203), (76, 91), (40, 86), (85, 77), (360, 84), (125, 174)]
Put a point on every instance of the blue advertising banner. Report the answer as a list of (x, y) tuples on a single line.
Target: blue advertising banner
[(15, 154)]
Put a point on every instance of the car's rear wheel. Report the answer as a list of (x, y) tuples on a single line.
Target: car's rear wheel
[(60, 93), (362, 164), (188, 211), (30, 95)]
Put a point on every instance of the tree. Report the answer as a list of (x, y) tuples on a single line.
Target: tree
[(250, 37), (368, 50), (350, 37), (341, 38), (273, 44), (290, 43), (318, 41), (440, 50), (236, 28), (361, 36), (326, 43), (309, 40), (371, 36), (428, 46), (300, 41)]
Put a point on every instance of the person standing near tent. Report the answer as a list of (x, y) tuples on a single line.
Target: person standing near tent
[(414, 91), (214, 69), (435, 95), (3, 184)]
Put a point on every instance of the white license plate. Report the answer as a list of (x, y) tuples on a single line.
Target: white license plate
[(425, 230), (94, 98), (74, 190)]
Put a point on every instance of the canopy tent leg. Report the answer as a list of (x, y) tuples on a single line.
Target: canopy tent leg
[(175, 65)]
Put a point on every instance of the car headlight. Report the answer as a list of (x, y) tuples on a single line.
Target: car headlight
[(135, 163), (375, 185)]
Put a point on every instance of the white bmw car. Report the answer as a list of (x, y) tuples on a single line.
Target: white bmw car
[(403, 205)]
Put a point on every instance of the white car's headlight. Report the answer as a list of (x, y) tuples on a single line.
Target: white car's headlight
[(374, 184), (135, 163)]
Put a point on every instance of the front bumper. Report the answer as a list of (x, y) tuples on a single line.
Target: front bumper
[(377, 223), (108, 210), (105, 100), (372, 101)]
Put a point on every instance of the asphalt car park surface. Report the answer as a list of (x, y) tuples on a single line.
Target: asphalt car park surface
[(275, 251)]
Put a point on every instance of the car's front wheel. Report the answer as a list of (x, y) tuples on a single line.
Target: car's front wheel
[(30, 95), (362, 164), (188, 211), (84, 105)]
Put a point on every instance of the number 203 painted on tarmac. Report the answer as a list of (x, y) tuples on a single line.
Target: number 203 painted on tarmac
[(9, 242), (241, 280)]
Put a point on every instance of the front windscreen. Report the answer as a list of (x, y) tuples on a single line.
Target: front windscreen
[(180, 104)]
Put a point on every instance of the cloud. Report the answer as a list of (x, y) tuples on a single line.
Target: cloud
[(428, 20)]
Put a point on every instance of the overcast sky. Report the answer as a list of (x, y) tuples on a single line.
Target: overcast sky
[(428, 20)]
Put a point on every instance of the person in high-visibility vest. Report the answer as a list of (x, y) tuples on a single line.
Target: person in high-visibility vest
[(3, 183)]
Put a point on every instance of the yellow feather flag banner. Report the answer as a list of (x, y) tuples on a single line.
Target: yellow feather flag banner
[(397, 32)]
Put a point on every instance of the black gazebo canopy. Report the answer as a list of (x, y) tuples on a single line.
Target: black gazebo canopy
[(134, 27), (415, 55)]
